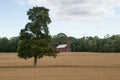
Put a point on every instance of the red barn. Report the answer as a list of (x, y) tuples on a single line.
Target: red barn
[(64, 48)]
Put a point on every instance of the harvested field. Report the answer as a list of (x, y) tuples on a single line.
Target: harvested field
[(66, 66)]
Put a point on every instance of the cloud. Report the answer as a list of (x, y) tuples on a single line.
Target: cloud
[(77, 9)]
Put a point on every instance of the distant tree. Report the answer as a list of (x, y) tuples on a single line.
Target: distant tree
[(4, 44), (13, 44), (82, 44), (35, 40), (101, 43), (73, 42), (92, 43), (60, 38)]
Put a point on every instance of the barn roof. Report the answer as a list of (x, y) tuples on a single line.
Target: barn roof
[(61, 46)]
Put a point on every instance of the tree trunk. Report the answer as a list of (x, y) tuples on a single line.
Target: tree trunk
[(35, 61)]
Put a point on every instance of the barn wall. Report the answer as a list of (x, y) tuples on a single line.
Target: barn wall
[(65, 49)]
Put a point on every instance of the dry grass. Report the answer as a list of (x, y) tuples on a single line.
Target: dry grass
[(67, 66)]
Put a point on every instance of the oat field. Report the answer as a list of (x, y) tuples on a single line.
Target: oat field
[(67, 66)]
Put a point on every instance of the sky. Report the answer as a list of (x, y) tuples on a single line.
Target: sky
[(75, 18)]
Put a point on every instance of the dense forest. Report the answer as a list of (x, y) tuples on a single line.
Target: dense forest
[(84, 44)]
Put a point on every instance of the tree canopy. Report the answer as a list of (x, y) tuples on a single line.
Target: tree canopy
[(35, 40), (60, 38)]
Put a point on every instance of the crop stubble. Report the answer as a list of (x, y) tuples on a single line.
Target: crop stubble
[(67, 66)]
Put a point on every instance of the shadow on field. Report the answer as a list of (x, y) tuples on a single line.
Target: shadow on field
[(61, 66)]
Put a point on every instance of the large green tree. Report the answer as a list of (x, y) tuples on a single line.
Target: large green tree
[(35, 40)]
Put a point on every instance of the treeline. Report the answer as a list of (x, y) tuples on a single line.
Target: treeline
[(89, 44), (8, 45), (84, 44)]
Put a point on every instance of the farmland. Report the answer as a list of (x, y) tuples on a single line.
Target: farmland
[(66, 66)]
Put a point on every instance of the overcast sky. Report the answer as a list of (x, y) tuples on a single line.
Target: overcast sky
[(75, 18)]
